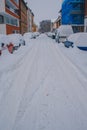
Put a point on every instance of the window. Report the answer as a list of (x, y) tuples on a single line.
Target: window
[(12, 21), (7, 20), (1, 19), (17, 1)]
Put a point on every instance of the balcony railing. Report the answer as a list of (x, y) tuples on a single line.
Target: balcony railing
[(16, 11), (77, 11)]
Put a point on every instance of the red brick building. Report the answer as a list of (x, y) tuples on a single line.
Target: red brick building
[(15, 17), (9, 16), (23, 16)]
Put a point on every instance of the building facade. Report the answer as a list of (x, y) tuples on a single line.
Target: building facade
[(9, 16), (35, 28), (23, 16), (32, 21), (29, 20), (56, 23), (85, 21), (73, 14)]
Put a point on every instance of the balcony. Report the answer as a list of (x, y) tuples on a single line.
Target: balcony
[(77, 1), (76, 11), (13, 10)]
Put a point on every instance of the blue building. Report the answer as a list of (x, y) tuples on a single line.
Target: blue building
[(73, 13)]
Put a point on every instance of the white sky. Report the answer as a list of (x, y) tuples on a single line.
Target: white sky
[(44, 9)]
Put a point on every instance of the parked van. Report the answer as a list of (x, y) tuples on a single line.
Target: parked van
[(63, 32)]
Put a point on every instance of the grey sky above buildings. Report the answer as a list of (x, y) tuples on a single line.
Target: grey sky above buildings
[(44, 9)]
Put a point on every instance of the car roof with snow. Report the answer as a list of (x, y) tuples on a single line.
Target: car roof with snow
[(15, 38), (4, 39), (79, 39), (65, 30)]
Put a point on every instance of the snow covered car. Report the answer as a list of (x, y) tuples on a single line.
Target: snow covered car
[(17, 40), (3, 42), (36, 34), (29, 35), (51, 34), (68, 44), (33, 36), (79, 40), (63, 32)]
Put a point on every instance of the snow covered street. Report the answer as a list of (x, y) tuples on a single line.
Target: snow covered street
[(43, 87)]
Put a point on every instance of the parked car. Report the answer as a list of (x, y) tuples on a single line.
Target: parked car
[(79, 39), (63, 32), (17, 40), (30, 35), (68, 44), (3, 42), (36, 34), (3, 39), (51, 34)]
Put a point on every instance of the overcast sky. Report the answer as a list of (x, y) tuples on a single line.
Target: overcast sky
[(44, 9)]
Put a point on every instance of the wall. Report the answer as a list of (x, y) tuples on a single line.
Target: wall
[(2, 5), (23, 17), (29, 21), (2, 29), (85, 21), (10, 29), (73, 12)]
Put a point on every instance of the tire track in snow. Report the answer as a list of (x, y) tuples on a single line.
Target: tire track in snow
[(78, 71), (10, 102), (33, 87), (12, 70), (17, 64), (35, 118), (81, 85)]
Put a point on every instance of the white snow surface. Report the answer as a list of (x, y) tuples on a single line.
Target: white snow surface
[(3, 39), (65, 30), (43, 86), (79, 39)]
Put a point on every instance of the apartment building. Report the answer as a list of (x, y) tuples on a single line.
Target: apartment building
[(9, 16), (30, 19), (33, 24), (34, 28), (73, 14), (57, 22), (23, 16), (85, 21)]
